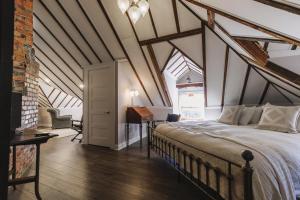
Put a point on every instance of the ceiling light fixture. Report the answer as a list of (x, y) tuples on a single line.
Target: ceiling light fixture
[(135, 8)]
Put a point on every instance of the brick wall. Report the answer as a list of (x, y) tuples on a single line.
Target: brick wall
[(25, 76)]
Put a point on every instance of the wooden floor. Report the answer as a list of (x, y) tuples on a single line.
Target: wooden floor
[(73, 171)]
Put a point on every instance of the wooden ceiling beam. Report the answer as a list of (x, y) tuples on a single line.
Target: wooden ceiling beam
[(265, 91), (225, 76), (100, 4), (56, 65), (260, 39), (254, 49), (253, 25), (78, 30), (54, 74), (56, 39), (251, 47), (284, 73), (56, 53), (280, 92), (185, 55), (153, 23), (204, 62), (168, 59), (159, 75), (245, 84), (94, 29), (170, 66), (171, 37), (62, 100), (146, 60), (281, 6), (174, 4), (210, 18)]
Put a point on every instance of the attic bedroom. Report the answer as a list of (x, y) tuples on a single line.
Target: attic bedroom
[(150, 99)]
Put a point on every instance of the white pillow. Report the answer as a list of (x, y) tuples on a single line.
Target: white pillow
[(280, 118), (246, 115), (230, 114)]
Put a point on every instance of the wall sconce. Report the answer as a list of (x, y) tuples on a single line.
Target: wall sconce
[(133, 93)]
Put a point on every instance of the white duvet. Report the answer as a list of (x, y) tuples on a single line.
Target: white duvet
[(276, 161)]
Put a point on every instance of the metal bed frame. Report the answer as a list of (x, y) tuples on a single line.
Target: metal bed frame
[(174, 155)]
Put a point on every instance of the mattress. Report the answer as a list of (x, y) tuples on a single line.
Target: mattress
[(276, 161)]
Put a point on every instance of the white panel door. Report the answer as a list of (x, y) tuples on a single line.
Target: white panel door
[(101, 106)]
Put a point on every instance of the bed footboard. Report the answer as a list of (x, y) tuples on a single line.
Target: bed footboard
[(190, 167)]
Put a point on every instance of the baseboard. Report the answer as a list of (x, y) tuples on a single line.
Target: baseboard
[(122, 145)]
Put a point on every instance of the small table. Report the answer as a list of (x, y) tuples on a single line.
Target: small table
[(30, 139)]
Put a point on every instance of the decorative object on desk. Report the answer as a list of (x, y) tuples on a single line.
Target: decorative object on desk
[(137, 115), (133, 93)]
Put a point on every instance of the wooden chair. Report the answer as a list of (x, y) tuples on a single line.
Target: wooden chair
[(77, 125)]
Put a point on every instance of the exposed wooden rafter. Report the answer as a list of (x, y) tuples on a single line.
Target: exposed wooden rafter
[(264, 93), (211, 18), (252, 47), (123, 49), (253, 25), (174, 4), (225, 76), (185, 55), (255, 50), (280, 92), (159, 75), (260, 39), (204, 62), (65, 32), (94, 29), (245, 84), (57, 40), (53, 73), (168, 59), (284, 73), (78, 30), (62, 100), (57, 54), (153, 23), (281, 6), (146, 60), (171, 36)]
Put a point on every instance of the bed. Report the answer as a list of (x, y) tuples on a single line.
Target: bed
[(231, 162)]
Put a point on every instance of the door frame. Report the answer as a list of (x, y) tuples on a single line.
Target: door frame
[(6, 71), (86, 70)]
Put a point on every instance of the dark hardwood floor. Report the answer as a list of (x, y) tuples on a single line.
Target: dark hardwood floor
[(73, 171)]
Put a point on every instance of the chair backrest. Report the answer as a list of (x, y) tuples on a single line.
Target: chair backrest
[(53, 112), (173, 118)]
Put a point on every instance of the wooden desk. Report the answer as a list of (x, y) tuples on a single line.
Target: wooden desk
[(137, 115), (30, 139)]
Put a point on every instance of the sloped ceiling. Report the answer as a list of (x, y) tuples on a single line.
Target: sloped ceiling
[(71, 34)]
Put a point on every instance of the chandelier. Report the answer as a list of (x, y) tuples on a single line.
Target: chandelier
[(135, 8)]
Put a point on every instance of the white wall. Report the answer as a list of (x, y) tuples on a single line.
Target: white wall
[(126, 82)]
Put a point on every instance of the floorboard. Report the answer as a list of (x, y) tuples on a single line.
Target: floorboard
[(74, 171)]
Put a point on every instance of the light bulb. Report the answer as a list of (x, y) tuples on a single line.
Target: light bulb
[(134, 13), (144, 6), (81, 86), (123, 5), (47, 80)]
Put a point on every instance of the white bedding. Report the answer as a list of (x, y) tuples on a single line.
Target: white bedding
[(276, 161)]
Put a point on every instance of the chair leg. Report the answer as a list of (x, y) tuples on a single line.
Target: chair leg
[(75, 137)]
